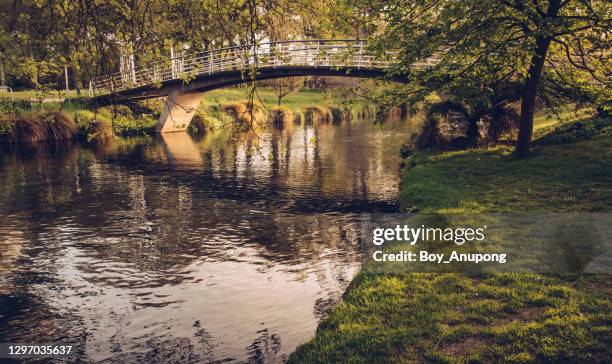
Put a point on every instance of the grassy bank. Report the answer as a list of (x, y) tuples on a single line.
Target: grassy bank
[(55, 121), (219, 108), (427, 317), (42, 94), (215, 104), (294, 101), (574, 176)]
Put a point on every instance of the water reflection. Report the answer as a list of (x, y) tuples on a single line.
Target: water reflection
[(173, 249)]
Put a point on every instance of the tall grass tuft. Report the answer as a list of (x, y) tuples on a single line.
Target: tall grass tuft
[(60, 127), (38, 126), (318, 115), (340, 115), (98, 131), (281, 117), (238, 110)]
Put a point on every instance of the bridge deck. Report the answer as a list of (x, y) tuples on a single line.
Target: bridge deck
[(221, 67)]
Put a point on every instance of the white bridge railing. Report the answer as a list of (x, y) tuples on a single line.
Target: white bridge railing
[(337, 53)]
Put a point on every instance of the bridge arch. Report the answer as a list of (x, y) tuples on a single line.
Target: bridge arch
[(184, 78)]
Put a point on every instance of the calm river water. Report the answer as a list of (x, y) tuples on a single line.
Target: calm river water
[(175, 249)]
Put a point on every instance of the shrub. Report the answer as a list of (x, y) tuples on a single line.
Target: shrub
[(198, 125), (582, 130), (7, 129), (38, 126), (98, 131), (130, 126), (239, 112), (318, 114), (60, 126), (8, 106), (281, 116), (450, 126), (502, 123)]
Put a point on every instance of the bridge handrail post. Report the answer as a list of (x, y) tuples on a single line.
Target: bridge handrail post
[(172, 61), (360, 53), (209, 60), (242, 62)]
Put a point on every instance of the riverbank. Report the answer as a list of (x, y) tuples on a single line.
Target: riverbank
[(222, 108), (426, 317)]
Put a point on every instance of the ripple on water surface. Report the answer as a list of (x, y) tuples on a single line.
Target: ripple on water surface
[(181, 249)]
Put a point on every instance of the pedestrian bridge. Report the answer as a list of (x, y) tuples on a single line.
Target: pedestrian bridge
[(183, 78)]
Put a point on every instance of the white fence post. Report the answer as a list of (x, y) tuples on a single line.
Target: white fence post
[(360, 53)]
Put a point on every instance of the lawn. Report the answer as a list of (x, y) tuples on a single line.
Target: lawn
[(571, 177), (502, 317), (295, 101), (39, 95)]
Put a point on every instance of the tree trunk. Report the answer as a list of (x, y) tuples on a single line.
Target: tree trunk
[(529, 97), (280, 98), (531, 85)]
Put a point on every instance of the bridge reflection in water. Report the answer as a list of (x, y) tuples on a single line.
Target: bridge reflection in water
[(181, 151), (176, 249)]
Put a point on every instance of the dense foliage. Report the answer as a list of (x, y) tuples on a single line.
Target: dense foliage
[(473, 53), (39, 38), (489, 60)]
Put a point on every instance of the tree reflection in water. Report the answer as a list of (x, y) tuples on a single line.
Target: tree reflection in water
[(181, 249)]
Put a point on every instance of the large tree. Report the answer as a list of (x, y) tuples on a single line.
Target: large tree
[(39, 38), (476, 46)]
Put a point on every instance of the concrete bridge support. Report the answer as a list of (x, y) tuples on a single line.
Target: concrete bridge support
[(179, 109)]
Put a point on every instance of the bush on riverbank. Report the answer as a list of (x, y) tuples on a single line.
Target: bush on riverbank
[(281, 117), (449, 126), (97, 131), (93, 127), (317, 115), (503, 317), (115, 120), (37, 126), (245, 118), (197, 126)]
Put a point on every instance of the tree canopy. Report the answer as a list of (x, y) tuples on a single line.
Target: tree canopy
[(557, 50), (480, 56), (38, 38)]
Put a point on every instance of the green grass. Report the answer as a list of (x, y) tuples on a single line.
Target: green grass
[(574, 177), (295, 101), (544, 121), (213, 102), (38, 95), (501, 317), (427, 317)]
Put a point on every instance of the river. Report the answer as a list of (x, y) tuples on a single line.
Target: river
[(179, 249)]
